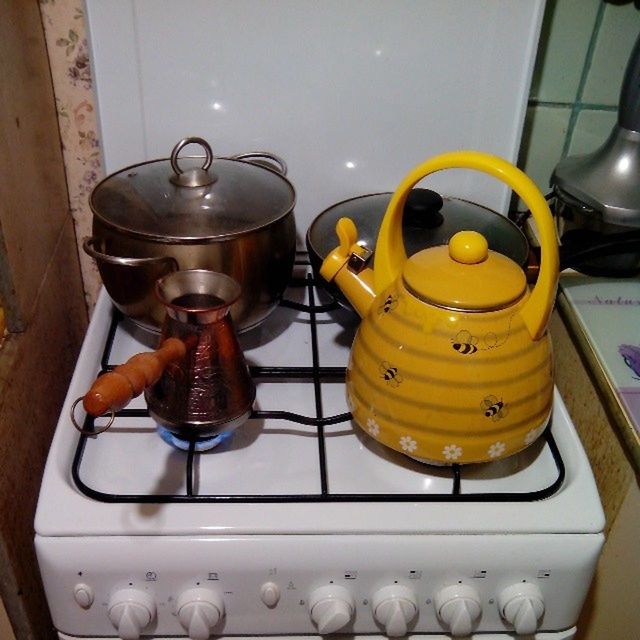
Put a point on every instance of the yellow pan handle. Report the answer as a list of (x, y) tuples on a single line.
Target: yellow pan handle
[(390, 254)]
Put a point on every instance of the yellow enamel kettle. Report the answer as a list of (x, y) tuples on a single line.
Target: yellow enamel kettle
[(452, 362)]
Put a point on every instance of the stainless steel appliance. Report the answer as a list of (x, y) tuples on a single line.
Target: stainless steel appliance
[(598, 194)]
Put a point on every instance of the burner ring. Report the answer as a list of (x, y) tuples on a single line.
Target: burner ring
[(199, 444)]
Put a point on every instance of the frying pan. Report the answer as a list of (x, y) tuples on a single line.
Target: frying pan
[(431, 219)]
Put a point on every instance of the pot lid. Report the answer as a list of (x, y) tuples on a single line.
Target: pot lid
[(429, 219), (195, 199), (464, 275)]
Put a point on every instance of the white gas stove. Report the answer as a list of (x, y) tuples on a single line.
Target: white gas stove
[(299, 523)]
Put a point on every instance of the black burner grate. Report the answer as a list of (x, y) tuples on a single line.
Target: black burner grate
[(315, 375)]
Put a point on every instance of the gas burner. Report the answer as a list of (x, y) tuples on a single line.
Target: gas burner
[(198, 444)]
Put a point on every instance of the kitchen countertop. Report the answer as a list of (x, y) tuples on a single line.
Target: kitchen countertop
[(603, 317)]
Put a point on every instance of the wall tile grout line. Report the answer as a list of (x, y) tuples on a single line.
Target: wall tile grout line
[(591, 106), (577, 106)]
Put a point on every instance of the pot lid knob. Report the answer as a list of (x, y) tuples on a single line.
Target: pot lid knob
[(468, 247), (195, 176)]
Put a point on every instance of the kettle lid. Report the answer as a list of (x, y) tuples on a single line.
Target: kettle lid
[(464, 275)]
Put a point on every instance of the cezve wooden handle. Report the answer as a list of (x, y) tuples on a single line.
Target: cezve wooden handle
[(115, 389)]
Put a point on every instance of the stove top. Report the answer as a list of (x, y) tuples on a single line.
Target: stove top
[(299, 457), (299, 514)]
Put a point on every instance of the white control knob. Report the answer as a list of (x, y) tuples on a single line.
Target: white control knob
[(130, 611), (522, 605), (83, 595), (394, 607), (458, 607), (331, 608), (270, 594), (199, 610)]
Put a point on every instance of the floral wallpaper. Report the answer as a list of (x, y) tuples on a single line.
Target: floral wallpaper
[(65, 33)]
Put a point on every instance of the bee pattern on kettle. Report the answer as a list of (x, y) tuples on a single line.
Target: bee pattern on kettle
[(390, 374), (494, 408), (389, 304), (465, 343)]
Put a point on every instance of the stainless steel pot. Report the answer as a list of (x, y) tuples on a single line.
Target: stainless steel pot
[(229, 215)]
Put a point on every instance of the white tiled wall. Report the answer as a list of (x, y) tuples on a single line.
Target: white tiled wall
[(583, 52)]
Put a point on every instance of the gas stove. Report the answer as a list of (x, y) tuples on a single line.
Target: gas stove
[(299, 523)]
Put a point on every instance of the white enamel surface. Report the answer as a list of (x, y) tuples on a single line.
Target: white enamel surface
[(275, 457), (352, 95), (235, 567)]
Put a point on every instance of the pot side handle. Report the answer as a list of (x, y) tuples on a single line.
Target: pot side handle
[(89, 243), (264, 159), (390, 254)]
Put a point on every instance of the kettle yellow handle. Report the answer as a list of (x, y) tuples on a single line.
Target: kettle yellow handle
[(390, 254)]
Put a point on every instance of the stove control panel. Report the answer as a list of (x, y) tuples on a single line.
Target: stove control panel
[(202, 587)]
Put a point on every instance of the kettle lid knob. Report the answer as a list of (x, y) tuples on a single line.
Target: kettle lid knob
[(468, 247)]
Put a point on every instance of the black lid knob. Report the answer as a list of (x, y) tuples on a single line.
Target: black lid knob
[(422, 209)]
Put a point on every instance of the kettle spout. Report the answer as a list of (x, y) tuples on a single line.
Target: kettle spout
[(346, 265)]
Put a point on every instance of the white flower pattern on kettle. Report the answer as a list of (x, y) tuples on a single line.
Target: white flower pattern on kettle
[(452, 452), (496, 449), (373, 427), (533, 434), (408, 444)]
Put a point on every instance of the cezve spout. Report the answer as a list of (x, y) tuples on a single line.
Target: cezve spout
[(346, 264)]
